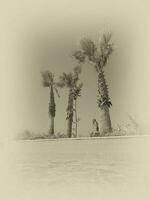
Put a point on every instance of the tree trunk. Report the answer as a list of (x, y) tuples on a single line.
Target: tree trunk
[(51, 132), (69, 128), (104, 104), (105, 122), (76, 118), (70, 114), (52, 110)]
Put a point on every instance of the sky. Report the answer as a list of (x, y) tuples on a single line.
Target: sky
[(40, 35)]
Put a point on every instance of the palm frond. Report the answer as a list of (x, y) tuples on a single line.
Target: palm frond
[(107, 37), (88, 47), (65, 80), (69, 80), (75, 79), (47, 78), (51, 77), (106, 46), (77, 90), (62, 80), (97, 56), (79, 55), (60, 84)]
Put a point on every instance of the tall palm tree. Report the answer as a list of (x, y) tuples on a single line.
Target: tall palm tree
[(98, 57), (71, 81), (48, 81)]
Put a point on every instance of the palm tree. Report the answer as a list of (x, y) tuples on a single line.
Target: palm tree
[(48, 81), (71, 81), (98, 56)]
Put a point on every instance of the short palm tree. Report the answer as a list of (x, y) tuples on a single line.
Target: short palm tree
[(71, 81), (98, 56), (48, 81)]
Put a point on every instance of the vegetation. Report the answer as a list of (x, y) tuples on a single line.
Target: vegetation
[(127, 129), (48, 81), (98, 57), (28, 135)]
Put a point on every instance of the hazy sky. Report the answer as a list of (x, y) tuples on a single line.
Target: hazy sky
[(38, 35)]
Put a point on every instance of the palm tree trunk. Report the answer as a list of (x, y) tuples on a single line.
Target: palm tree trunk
[(105, 122), (52, 109), (76, 118), (51, 126), (69, 126), (104, 104), (70, 114)]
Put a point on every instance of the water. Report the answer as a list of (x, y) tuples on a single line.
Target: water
[(76, 169)]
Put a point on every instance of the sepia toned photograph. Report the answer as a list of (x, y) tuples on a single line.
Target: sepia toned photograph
[(74, 100)]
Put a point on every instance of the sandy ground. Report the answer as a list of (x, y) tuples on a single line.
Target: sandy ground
[(76, 169)]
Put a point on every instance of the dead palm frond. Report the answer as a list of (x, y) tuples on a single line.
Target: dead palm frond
[(77, 91)]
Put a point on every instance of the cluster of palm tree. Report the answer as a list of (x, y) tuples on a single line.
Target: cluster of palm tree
[(72, 82), (98, 56)]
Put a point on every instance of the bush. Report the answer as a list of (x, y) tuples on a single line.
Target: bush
[(130, 128), (96, 134), (60, 135), (28, 135)]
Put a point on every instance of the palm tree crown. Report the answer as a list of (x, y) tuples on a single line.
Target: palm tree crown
[(96, 54), (70, 80)]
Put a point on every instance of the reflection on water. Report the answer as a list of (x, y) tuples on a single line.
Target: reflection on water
[(79, 169)]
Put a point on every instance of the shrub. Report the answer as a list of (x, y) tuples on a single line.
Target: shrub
[(28, 135), (61, 135)]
